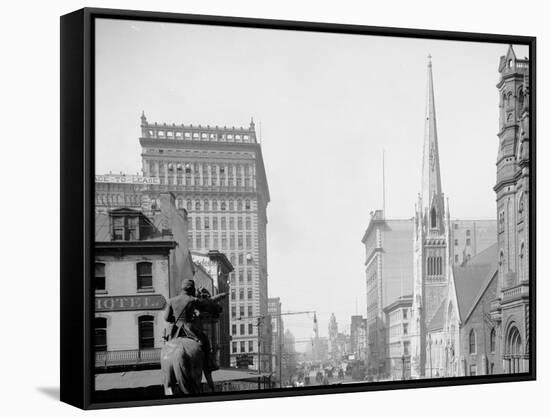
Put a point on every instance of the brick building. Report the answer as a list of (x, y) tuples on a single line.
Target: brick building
[(140, 262)]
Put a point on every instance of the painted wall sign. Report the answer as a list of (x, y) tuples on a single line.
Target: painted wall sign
[(129, 303), (126, 179)]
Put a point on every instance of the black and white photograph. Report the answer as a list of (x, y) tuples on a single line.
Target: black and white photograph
[(282, 210)]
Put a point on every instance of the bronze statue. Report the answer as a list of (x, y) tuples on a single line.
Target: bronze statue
[(188, 352)]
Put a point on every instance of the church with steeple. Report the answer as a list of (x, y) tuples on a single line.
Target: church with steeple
[(431, 239)]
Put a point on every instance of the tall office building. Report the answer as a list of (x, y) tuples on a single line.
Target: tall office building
[(218, 175)]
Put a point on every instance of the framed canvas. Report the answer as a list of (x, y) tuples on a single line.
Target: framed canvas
[(396, 168)]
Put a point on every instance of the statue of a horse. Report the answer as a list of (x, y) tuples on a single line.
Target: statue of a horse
[(181, 361)]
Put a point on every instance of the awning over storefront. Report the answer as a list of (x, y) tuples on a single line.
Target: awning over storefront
[(146, 378)]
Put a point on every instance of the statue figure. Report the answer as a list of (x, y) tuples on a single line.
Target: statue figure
[(188, 352)]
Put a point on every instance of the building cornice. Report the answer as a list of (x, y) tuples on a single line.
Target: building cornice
[(141, 246)]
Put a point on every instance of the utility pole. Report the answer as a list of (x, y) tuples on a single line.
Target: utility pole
[(259, 319)]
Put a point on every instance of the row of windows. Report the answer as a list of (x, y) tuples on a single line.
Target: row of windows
[(241, 348), (468, 241), (235, 243), (249, 311), (110, 199), (197, 136), (215, 223), (434, 265), (472, 341), (216, 205), (144, 276), (241, 293), (242, 328), (146, 334), (212, 171), (187, 180)]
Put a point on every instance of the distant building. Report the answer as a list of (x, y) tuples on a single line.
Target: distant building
[(470, 237), (333, 346), (358, 334), (398, 337), (277, 330), (140, 262), (389, 269), (290, 359)]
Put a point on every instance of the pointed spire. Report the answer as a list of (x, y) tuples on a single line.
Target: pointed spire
[(431, 177), (252, 125), (143, 118)]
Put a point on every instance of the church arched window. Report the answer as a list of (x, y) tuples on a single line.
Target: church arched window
[(433, 218), (472, 342)]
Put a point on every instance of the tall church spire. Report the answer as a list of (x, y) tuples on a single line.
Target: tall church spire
[(431, 178)]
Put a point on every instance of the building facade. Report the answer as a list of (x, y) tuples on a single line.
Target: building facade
[(218, 175), (398, 338), (388, 268), (469, 332), (277, 332), (358, 340), (470, 237), (431, 240), (511, 306), (140, 263)]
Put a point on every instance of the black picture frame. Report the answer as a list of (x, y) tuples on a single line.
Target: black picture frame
[(77, 199)]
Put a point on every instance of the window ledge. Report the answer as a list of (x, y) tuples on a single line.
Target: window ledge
[(147, 290), (101, 292)]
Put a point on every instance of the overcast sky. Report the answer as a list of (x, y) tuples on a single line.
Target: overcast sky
[(328, 105)]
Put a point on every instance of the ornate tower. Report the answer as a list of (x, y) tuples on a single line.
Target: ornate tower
[(511, 309), (431, 252), (333, 336)]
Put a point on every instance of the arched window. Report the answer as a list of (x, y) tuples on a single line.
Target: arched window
[(180, 203), (100, 334), (206, 205), (493, 340), (197, 205), (433, 217), (144, 275), (189, 205), (239, 205), (214, 205), (146, 332), (223, 205), (247, 204), (99, 278), (472, 342), (514, 351)]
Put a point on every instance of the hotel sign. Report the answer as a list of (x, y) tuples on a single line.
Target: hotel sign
[(129, 303), (124, 179)]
